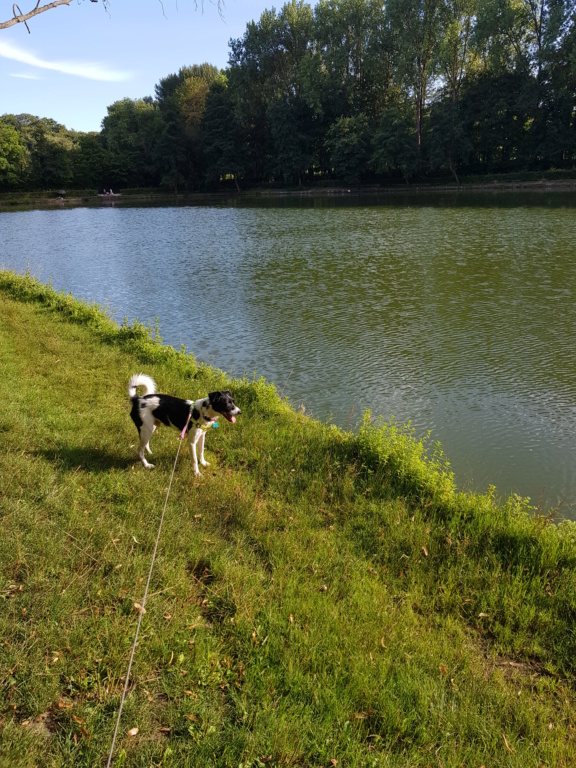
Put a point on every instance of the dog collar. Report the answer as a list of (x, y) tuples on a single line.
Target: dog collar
[(196, 421)]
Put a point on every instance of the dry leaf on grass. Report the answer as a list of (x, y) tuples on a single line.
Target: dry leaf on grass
[(508, 747)]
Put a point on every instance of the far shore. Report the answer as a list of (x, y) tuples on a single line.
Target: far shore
[(10, 201)]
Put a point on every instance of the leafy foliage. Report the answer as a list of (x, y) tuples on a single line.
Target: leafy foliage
[(347, 90)]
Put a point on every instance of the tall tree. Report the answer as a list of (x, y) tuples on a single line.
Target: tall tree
[(348, 142), (89, 162), (49, 148), (130, 134), (395, 142), (13, 155), (456, 56), (292, 113), (497, 111), (181, 98), (417, 28), (191, 96), (556, 140), (264, 68), (356, 54), (291, 126), (224, 154), (448, 143), (522, 33)]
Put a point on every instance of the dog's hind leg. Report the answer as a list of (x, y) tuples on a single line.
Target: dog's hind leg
[(146, 433), (147, 446)]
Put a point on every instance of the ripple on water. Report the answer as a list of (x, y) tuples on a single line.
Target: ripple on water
[(460, 320)]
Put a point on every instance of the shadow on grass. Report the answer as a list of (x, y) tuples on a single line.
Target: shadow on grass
[(87, 459)]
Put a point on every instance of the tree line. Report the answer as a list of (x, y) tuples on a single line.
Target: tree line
[(348, 90)]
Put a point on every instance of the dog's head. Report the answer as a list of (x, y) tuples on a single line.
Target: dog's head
[(222, 403)]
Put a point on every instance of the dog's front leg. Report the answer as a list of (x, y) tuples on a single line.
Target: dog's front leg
[(201, 449), (194, 435)]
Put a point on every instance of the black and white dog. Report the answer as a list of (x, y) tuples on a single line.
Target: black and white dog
[(151, 410)]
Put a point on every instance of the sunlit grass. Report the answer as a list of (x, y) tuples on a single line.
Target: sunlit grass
[(318, 596)]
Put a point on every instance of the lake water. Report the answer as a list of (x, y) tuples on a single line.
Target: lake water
[(456, 314)]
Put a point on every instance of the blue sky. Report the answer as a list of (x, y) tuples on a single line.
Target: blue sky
[(80, 59)]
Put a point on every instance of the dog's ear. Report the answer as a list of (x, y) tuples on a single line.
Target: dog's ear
[(217, 395)]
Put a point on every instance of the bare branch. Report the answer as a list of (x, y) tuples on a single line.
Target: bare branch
[(22, 18)]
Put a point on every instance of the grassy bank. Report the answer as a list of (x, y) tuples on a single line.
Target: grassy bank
[(320, 598)]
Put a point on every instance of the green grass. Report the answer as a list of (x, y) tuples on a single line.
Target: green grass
[(318, 595)]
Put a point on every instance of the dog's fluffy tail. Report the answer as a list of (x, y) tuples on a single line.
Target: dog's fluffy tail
[(141, 380)]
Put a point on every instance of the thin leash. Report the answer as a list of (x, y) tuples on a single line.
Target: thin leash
[(142, 611), (286, 382)]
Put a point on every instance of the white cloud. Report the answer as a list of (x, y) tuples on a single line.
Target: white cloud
[(88, 70), (25, 77)]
